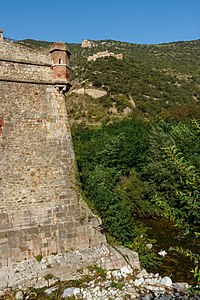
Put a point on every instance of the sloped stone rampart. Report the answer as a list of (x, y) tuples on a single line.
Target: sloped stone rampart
[(66, 265), (40, 211), (39, 206)]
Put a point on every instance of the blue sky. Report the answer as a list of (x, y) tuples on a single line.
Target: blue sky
[(136, 21)]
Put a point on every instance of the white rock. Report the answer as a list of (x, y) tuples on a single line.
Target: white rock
[(116, 274), (113, 292), (143, 273), (77, 291), (139, 281), (50, 290), (149, 280), (88, 297), (69, 292), (96, 289), (86, 271), (133, 296), (166, 281), (181, 285), (126, 270), (19, 295), (91, 284)]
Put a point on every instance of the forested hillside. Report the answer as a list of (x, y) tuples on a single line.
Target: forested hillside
[(151, 80)]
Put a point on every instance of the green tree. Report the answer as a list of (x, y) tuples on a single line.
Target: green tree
[(175, 173)]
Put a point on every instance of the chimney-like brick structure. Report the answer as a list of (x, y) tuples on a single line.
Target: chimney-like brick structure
[(60, 56)]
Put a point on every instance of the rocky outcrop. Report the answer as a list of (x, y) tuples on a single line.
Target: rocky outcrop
[(86, 44)]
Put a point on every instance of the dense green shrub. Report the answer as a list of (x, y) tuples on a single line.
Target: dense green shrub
[(105, 157), (127, 169)]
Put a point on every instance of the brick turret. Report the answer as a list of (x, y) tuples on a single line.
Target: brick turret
[(60, 61)]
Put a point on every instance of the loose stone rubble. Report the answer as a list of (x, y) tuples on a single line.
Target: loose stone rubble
[(119, 284)]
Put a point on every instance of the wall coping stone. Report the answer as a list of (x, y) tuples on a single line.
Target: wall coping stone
[(46, 82), (19, 61)]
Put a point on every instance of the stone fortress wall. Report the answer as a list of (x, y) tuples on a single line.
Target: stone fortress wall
[(24, 64), (40, 211)]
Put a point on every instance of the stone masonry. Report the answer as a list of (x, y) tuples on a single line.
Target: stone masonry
[(41, 213)]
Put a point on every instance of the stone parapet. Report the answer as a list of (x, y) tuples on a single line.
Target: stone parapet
[(22, 71), (15, 51)]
